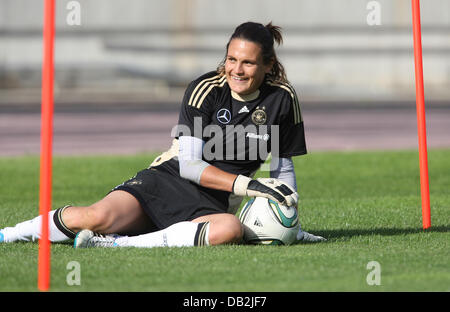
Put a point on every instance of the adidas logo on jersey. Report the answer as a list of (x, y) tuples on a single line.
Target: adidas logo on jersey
[(243, 110)]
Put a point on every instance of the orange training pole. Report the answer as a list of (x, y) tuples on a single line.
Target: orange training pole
[(421, 123), (45, 189)]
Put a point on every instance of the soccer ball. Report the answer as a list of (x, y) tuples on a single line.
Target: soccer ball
[(269, 223)]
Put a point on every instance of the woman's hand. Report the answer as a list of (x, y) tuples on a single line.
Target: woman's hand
[(271, 188)]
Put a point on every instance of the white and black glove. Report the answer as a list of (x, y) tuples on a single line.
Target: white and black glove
[(265, 187), (308, 237)]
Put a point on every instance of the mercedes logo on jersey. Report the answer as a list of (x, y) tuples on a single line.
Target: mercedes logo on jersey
[(224, 116)]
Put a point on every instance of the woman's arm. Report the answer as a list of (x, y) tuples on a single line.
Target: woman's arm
[(283, 169), (195, 169), (215, 178)]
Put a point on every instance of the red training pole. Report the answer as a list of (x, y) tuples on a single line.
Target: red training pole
[(421, 122), (45, 186)]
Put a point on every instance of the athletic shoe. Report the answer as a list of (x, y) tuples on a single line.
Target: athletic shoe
[(308, 237), (89, 239), (5, 235)]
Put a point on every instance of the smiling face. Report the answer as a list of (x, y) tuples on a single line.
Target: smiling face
[(244, 66)]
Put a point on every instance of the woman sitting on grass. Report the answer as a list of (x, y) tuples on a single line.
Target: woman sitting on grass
[(230, 119)]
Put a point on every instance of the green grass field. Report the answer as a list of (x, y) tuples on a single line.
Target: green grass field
[(366, 203)]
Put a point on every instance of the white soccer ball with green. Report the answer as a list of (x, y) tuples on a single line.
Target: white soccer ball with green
[(269, 223)]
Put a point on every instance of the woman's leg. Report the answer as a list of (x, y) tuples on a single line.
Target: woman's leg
[(223, 228), (214, 229), (118, 212)]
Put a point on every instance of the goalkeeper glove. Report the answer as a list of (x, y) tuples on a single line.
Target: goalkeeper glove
[(265, 187), (308, 237)]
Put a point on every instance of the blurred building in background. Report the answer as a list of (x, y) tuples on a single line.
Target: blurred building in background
[(146, 51)]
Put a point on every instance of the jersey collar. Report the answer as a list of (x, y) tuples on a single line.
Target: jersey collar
[(245, 98)]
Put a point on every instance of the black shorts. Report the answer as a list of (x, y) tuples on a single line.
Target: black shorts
[(169, 199)]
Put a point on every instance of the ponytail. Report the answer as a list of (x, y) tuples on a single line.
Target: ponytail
[(278, 73), (276, 33)]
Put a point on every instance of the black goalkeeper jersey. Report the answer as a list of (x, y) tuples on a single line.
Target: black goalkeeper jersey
[(238, 132)]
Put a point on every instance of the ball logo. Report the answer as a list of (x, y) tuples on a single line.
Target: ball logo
[(224, 116)]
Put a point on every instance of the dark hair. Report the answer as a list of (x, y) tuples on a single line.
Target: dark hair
[(265, 36)]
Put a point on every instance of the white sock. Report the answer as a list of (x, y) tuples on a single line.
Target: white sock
[(30, 230), (177, 235)]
